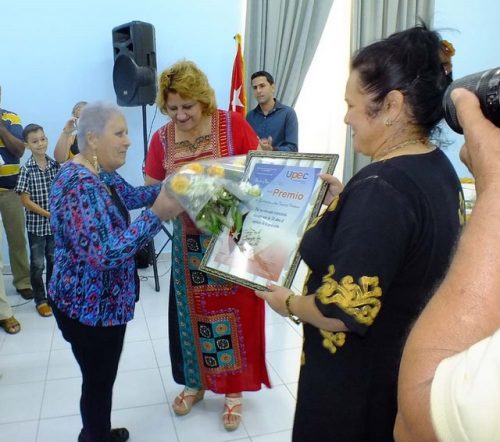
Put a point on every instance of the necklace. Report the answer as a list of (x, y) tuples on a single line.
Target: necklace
[(423, 141), (194, 146), (81, 159)]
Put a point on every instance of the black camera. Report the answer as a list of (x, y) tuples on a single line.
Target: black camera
[(486, 86)]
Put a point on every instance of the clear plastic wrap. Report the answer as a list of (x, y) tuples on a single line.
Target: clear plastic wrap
[(214, 193)]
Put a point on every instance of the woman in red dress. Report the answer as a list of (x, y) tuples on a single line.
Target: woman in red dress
[(216, 328)]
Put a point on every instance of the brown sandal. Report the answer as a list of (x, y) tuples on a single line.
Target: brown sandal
[(184, 406), (10, 325), (44, 310)]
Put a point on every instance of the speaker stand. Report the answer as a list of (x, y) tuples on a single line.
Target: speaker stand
[(151, 245)]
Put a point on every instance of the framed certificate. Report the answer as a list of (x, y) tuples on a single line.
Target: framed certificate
[(267, 247)]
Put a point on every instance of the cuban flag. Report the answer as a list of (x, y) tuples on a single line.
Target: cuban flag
[(237, 97)]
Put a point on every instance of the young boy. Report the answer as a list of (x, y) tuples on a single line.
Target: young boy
[(33, 184)]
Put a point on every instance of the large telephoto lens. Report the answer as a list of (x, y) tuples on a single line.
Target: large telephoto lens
[(486, 86)]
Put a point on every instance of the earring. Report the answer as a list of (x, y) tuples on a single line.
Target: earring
[(95, 163), (388, 122)]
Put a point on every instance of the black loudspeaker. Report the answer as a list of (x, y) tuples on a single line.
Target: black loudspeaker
[(134, 70)]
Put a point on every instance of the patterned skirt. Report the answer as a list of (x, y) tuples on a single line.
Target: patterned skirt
[(216, 328)]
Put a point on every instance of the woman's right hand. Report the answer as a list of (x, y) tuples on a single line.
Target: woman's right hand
[(166, 207), (70, 126), (334, 187)]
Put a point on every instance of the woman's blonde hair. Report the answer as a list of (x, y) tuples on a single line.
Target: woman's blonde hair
[(187, 80)]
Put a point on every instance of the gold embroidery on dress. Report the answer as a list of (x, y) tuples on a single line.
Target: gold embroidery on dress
[(358, 300), (332, 206), (332, 340)]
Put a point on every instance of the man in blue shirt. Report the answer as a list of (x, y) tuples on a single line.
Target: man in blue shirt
[(275, 124)]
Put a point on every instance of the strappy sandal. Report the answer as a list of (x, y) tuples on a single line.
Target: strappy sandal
[(230, 404), (184, 407), (10, 325)]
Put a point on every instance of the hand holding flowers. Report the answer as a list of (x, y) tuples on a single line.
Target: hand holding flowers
[(213, 193)]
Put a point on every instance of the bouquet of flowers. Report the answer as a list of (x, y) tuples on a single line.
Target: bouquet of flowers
[(213, 193)]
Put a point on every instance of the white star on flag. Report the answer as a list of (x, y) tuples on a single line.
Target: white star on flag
[(236, 102)]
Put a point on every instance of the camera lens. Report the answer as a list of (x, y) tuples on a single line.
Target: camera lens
[(486, 86)]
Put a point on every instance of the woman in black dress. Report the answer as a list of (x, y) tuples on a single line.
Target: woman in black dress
[(376, 254)]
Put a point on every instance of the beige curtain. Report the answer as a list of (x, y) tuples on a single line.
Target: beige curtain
[(371, 21), (281, 37)]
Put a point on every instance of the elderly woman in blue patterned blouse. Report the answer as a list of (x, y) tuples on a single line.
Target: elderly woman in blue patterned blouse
[(94, 285)]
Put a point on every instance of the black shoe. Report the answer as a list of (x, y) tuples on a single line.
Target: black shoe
[(26, 293), (115, 435)]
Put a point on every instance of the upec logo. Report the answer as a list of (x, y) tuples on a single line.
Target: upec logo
[(296, 175)]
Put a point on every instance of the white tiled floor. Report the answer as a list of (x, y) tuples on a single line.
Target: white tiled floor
[(40, 386)]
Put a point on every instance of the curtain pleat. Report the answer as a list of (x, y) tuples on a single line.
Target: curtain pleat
[(281, 37), (373, 20)]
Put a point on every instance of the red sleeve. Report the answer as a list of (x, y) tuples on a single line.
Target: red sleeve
[(244, 137), (154, 159)]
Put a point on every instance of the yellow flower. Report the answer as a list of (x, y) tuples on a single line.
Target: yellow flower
[(193, 167), (215, 170), (180, 184), (447, 48)]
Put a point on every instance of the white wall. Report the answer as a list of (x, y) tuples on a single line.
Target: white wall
[(473, 28), (55, 53)]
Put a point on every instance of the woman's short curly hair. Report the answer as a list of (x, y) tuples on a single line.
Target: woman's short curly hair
[(189, 81)]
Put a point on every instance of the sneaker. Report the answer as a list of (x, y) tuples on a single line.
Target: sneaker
[(26, 293), (44, 309)]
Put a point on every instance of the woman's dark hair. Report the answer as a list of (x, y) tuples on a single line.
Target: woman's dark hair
[(407, 61)]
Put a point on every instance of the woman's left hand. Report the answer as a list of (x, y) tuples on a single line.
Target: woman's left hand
[(275, 297), (335, 187)]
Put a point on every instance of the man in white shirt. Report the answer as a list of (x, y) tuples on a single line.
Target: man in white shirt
[(449, 380)]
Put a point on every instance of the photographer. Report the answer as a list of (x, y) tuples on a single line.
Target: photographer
[(449, 384)]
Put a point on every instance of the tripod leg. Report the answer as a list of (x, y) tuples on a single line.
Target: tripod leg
[(152, 258), (151, 246)]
